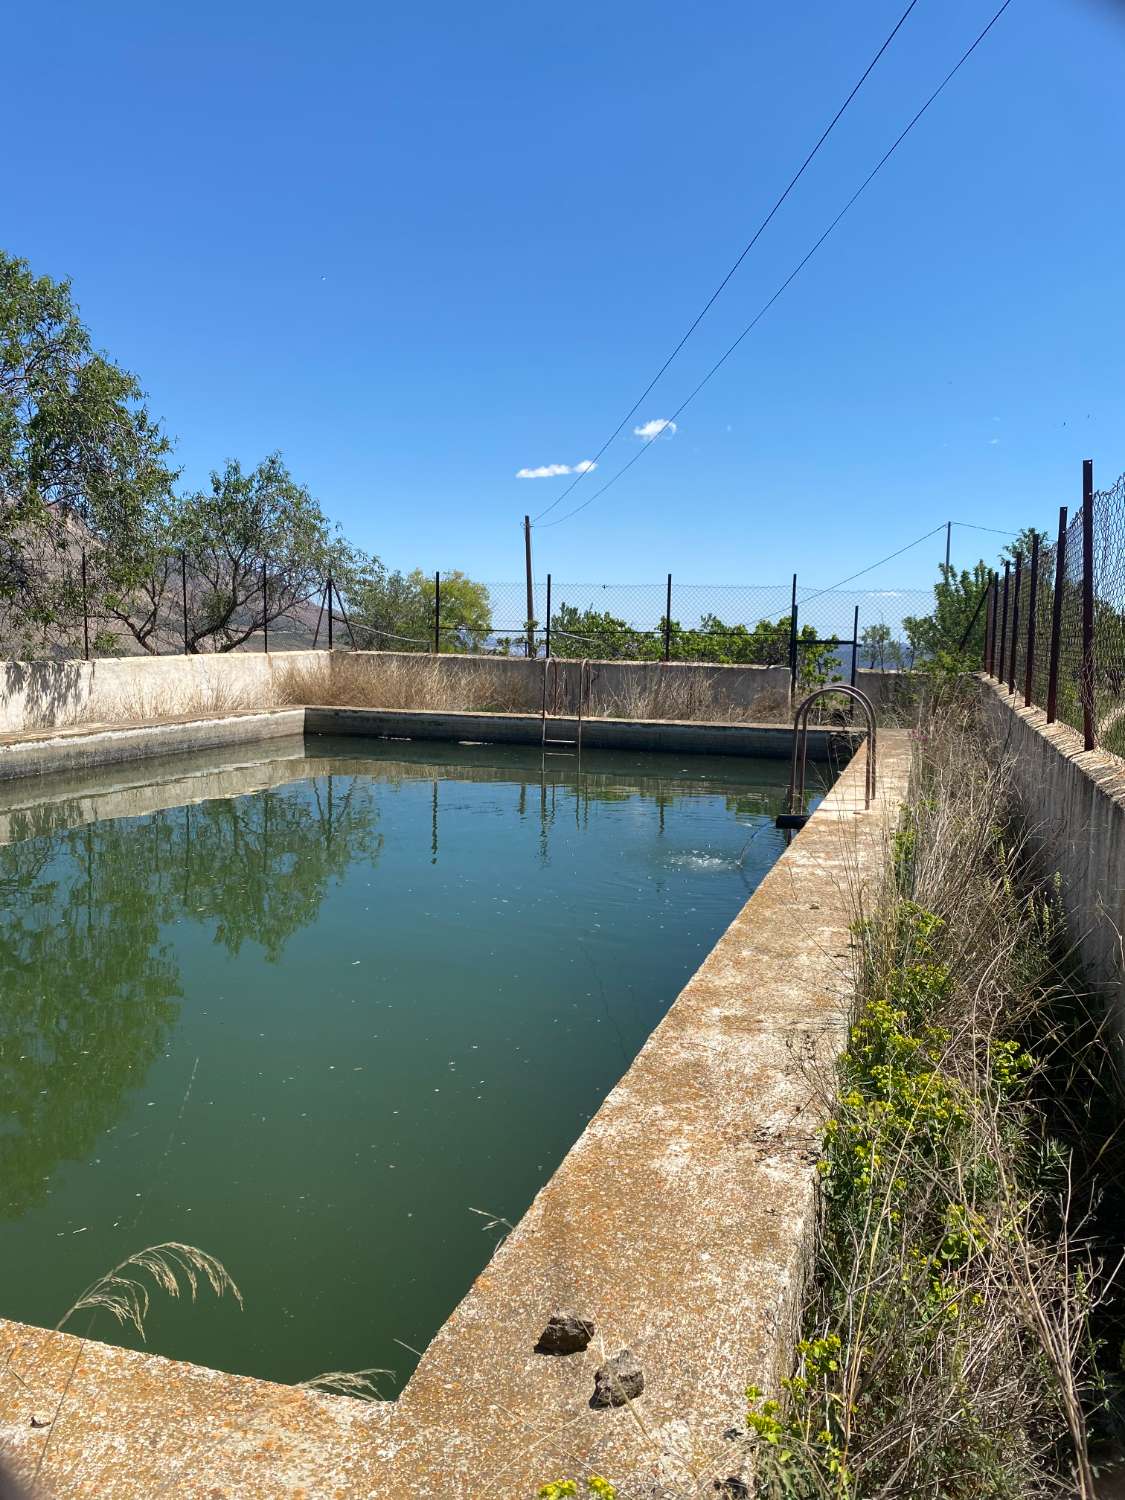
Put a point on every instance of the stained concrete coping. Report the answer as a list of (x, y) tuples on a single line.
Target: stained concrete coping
[(681, 1222)]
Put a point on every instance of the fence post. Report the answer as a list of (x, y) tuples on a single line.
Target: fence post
[(437, 614), (548, 633), (989, 625), (1056, 619), (183, 587), (1032, 600), (793, 643), (85, 612), (1004, 624), (1015, 623), (668, 620), (330, 593), (265, 610), (855, 645), (1087, 675)]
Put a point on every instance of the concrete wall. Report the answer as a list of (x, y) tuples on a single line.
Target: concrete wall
[(53, 694), (49, 695), (1075, 801)]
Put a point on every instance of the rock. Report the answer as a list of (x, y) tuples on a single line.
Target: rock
[(618, 1381), (565, 1333)]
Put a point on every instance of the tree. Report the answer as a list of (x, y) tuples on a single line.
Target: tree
[(397, 611), (957, 596), (255, 544), (879, 650), (78, 448)]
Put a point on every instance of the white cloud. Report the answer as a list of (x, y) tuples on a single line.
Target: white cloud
[(657, 427), (553, 471)]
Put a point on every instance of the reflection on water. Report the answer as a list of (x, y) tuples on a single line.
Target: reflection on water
[(473, 952)]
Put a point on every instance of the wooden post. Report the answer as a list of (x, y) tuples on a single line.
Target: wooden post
[(1089, 731), (1015, 623), (530, 586), (948, 539), (1056, 619), (1032, 602)]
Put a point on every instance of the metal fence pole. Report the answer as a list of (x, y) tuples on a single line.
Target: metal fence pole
[(265, 610), (1032, 601), (85, 611), (183, 587), (855, 644), (1004, 624), (1056, 619), (437, 613), (548, 635), (1089, 732), (990, 633), (668, 620), (1015, 623), (330, 593), (793, 642)]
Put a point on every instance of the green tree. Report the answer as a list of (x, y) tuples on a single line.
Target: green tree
[(395, 611), (78, 448), (956, 597), (879, 650)]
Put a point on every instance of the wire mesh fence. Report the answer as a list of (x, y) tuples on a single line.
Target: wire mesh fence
[(1056, 633)]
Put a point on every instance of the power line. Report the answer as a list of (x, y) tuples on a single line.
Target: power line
[(793, 181), (798, 268), (832, 587), (995, 530)]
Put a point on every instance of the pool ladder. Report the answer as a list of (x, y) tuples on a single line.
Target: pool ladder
[(553, 688), (794, 817)]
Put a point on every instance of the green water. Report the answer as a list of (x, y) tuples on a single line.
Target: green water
[(310, 1028)]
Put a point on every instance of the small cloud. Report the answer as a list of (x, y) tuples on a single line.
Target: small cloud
[(655, 428), (553, 471), (992, 442)]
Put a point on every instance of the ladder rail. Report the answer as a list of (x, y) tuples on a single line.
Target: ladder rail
[(796, 798)]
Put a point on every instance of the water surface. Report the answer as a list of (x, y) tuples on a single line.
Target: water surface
[(312, 1006)]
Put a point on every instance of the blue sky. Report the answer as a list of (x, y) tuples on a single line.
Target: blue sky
[(419, 248)]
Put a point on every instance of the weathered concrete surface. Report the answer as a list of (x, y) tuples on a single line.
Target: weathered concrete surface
[(774, 740), (680, 1223), (1075, 801), (84, 747), (53, 694)]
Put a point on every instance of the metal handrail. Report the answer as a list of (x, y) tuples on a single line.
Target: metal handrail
[(801, 742)]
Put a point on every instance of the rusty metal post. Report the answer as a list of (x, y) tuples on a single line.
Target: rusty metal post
[(330, 593), (1003, 624), (265, 610), (855, 645), (1032, 601), (793, 642), (989, 625), (1056, 619), (1089, 732), (1015, 623), (668, 620), (548, 637), (183, 587), (85, 612), (990, 635), (437, 612)]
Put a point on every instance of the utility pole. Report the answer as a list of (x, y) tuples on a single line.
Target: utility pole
[(530, 588), (948, 536)]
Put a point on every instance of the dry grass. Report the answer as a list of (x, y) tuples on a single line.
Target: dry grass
[(371, 680)]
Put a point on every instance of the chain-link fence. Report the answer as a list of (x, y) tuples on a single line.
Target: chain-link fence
[(1056, 620), (182, 603)]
